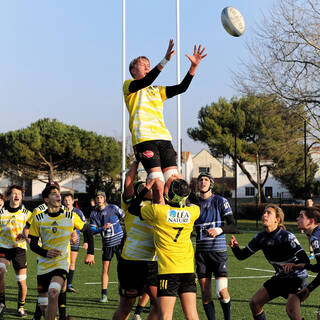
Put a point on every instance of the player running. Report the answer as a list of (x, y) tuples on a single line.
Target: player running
[(54, 227), (279, 247), (138, 256), (211, 250), (172, 225), (105, 219), (13, 247), (151, 139)]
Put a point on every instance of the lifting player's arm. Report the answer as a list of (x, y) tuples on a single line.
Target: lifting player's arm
[(146, 81), (128, 183), (88, 238)]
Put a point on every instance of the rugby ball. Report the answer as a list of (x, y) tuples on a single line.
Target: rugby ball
[(232, 21)]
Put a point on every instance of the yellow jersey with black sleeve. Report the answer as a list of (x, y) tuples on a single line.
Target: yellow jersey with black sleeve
[(172, 236), (12, 223), (41, 208), (139, 244), (55, 230), (145, 108)]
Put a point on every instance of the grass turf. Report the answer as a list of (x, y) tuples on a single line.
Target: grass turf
[(243, 283)]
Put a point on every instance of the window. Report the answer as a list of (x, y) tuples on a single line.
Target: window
[(204, 170), (268, 192), (249, 191)]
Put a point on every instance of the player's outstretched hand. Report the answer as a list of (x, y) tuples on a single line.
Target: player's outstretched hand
[(233, 242), (89, 259), (212, 232), (197, 56), (303, 294), (53, 253), (170, 52)]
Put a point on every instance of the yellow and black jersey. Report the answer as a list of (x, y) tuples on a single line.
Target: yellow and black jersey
[(54, 231), (12, 223), (172, 236), (145, 109), (139, 244)]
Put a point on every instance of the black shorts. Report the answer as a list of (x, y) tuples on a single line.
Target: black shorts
[(45, 279), (208, 262), (175, 284), (282, 287), (16, 255), (74, 247), (156, 153), (134, 276), (108, 252)]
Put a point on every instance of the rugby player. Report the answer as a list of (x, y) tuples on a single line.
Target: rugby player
[(13, 217), (151, 139), (54, 228), (279, 247)]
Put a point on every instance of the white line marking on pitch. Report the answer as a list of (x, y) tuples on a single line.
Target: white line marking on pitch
[(256, 269)]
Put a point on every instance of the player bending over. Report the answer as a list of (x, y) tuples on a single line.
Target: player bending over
[(151, 139)]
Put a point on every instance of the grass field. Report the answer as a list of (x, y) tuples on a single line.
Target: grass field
[(245, 277)]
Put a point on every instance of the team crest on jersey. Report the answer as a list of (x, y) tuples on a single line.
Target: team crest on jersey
[(54, 228), (177, 216)]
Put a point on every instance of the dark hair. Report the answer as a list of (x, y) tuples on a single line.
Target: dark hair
[(178, 191), (45, 193), (14, 186), (133, 63), (68, 194), (312, 213)]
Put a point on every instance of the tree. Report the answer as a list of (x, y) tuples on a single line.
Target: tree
[(53, 149), (285, 60), (265, 130)]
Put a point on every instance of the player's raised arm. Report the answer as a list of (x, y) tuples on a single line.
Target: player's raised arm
[(169, 54), (196, 58)]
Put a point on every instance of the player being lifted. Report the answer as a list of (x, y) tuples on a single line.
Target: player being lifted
[(151, 139), (13, 217), (54, 227)]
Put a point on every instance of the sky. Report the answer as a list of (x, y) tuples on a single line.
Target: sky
[(63, 59)]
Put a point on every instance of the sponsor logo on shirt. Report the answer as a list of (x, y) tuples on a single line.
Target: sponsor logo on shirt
[(177, 216)]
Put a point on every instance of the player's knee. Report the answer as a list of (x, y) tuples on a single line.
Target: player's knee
[(254, 305), (21, 277), (156, 175), (54, 290), (222, 289), (43, 302), (171, 172), (3, 269)]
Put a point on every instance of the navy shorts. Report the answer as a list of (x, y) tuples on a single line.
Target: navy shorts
[(134, 276), (156, 153), (16, 255), (282, 287), (108, 252), (175, 284), (211, 262)]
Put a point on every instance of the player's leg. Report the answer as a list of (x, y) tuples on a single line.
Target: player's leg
[(259, 299), (62, 302), (4, 264), (154, 307), (21, 276), (142, 302), (204, 273), (293, 307), (73, 259), (126, 304), (105, 277), (56, 284), (166, 307), (189, 305)]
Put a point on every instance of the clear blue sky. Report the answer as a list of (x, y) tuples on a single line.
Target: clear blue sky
[(63, 59)]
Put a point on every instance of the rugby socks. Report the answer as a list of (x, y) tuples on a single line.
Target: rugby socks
[(226, 309), (210, 311), (104, 292), (20, 303), (260, 316), (70, 278), (62, 301), (37, 313), (139, 309), (2, 298)]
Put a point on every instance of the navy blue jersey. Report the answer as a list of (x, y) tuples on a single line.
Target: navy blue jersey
[(315, 240), (212, 214), (98, 218), (83, 218), (279, 247)]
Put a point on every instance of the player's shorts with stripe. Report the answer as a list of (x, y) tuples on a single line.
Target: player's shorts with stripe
[(176, 283), (282, 287), (16, 255), (135, 275), (45, 279), (108, 252), (155, 153), (211, 262)]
